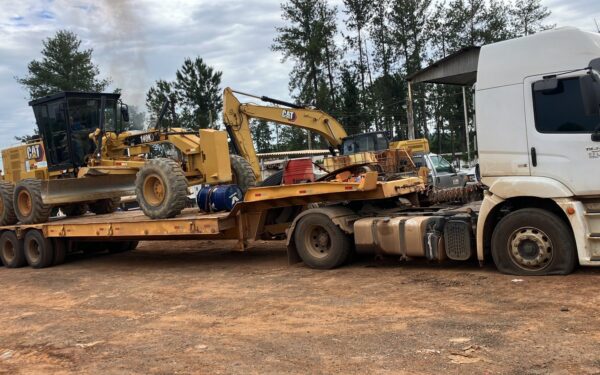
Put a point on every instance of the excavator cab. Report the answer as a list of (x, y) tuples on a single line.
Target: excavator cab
[(373, 141), (65, 121)]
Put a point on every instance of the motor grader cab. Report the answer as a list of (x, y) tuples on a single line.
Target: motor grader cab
[(46, 171)]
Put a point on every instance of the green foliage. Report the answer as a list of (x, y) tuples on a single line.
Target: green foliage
[(262, 136), (194, 96), (528, 15), (63, 67)]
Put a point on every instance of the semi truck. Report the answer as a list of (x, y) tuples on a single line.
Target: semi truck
[(537, 120)]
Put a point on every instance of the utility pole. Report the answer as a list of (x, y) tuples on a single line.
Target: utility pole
[(409, 113)]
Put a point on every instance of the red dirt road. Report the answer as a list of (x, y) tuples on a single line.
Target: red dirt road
[(196, 307)]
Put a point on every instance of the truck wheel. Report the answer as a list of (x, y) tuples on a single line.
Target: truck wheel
[(76, 209), (161, 188), (28, 203), (533, 241), (11, 250), (39, 250), (105, 206), (7, 212), (320, 243), (242, 173)]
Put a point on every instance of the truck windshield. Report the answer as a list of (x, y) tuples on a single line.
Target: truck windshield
[(441, 165)]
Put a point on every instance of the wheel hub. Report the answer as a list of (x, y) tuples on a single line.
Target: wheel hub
[(530, 248), (318, 241), (9, 251), (154, 190), (24, 203)]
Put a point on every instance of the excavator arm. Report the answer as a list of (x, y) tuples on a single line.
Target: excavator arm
[(236, 117)]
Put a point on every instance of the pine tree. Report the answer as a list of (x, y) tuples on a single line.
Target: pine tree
[(63, 67), (261, 135), (528, 17)]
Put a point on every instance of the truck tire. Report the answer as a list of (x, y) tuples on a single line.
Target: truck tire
[(241, 173), (532, 241), (60, 251), (11, 250), (320, 243), (161, 188), (39, 250), (105, 206), (28, 204), (273, 180), (76, 209), (122, 246), (7, 211)]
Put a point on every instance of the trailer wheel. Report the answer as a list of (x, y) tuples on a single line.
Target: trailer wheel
[(273, 180), (320, 243), (7, 211), (105, 206), (11, 250), (533, 241), (122, 246), (39, 250), (161, 188), (28, 204), (60, 251), (242, 173), (76, 209)]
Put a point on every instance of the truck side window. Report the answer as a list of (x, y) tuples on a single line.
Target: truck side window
[(561, 110)]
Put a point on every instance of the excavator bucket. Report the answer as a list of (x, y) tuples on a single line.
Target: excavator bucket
[(72, 190)]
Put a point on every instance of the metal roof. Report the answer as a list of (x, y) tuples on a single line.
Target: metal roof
[(459, 68), (292, 153), (70, 94)]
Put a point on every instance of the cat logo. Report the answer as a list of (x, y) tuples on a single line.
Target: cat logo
[(288, 115), (34, 152)]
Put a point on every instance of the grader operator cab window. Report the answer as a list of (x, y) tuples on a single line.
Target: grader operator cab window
[(376, 141), (65, 121)]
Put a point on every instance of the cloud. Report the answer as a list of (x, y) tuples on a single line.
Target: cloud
[(138, 42)]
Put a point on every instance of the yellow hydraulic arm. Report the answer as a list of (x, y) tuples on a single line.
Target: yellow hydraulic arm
[(236, 117)]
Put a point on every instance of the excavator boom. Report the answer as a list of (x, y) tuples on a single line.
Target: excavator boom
[(236, 117)]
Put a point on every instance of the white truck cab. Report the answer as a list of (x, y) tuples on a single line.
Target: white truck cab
[(538, 131)]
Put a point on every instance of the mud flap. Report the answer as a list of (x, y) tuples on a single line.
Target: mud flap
[(73, 190)]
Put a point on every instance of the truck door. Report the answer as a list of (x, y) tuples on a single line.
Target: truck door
[(445, 175), (559, 134)]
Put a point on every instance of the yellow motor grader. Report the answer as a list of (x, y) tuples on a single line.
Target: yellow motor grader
[(85, 160)]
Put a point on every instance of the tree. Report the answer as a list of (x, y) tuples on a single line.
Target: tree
[(194, 96), (359, 14), (261, 135), (528, 16), (63, 67), (308, 40)]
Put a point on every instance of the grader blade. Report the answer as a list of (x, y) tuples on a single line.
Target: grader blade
[(73, 190)]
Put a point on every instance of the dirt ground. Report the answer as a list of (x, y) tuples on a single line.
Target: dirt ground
[(197, 307)]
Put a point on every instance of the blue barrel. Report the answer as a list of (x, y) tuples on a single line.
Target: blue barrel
[(218, 198)]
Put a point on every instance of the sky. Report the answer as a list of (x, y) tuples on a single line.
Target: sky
[(137, 42)]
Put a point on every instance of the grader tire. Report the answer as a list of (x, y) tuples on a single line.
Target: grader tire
[(7, 211), (161, 188), (76, 209), (242, 173), (28, 204), (105, 206)]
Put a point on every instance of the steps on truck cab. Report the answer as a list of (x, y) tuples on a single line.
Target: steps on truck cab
[(592, 216)]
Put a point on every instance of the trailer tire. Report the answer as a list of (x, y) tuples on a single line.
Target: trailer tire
[(161, 188), (7, 211), (60, 251), (532, 241), (39, 250), (320, 243), (241, 173), (28, 204), (75, 209), (122, 246), (105, 206), (11, 250)]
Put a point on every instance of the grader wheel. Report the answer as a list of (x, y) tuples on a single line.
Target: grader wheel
[(76, 209), (161, 188), (28, 204), (105, 206), (7, 212)]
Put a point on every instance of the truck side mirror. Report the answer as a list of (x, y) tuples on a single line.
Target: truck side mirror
[(125, 113), (590, 94), (546, 84)]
